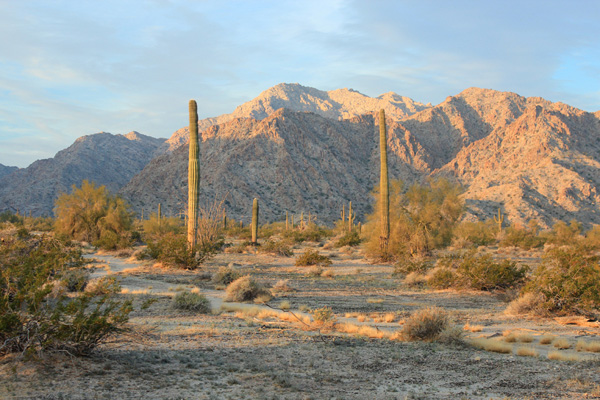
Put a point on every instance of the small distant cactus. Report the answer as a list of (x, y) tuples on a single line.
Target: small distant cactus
[(159, 214), (255, 221), (499, 220), (287, 221)]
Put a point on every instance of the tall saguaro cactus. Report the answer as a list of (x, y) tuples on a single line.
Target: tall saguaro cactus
[(193, 177), (255, 221), (384, 187)]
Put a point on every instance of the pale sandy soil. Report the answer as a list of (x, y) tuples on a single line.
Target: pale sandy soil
[(171, 354)]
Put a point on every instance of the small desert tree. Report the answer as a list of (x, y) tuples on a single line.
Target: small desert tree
[(421, 219), (92, 214)]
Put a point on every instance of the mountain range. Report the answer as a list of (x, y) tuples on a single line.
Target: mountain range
[(300, 149)]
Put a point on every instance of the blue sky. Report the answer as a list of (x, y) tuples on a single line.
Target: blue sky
[(77, 67)]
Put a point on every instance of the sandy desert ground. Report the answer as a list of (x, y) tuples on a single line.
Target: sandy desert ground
[(248, 351)]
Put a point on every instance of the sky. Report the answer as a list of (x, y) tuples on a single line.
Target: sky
[(78, 67)]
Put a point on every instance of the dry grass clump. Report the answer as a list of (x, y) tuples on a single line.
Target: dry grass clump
[(492, 345), (547, 339), (189, 301), (473, 328), (246, 289), (363, 330), (561, 344), (314, 271), (563, 356), (592, 346), (415, 279), (361, 318), (101, 286), (323, 315), (512, 337), (526, 351), (371, 300), (283, 286), (529, 303), (327, 274), (425, 324), (285, 305), (452, 335)]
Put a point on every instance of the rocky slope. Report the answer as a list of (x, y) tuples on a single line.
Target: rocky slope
[(335, 104), (291, 161), (527, 156), (5, 170), (106, 159)]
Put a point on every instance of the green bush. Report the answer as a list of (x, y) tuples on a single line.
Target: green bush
[(568, 281), (521, 237), (407, 265), (421, 219), (442, 278), (246, 289), (278, 247), (312, 233), (225, 275), (34, 319), (349, 239), (475, 233), (312, 257), (563, 234), (481, 272), (189, 301), (173, 249), (14, 219), (76, 279), (92, 214), (323, 315)]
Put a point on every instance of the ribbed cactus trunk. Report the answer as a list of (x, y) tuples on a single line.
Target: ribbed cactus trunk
[(287, 221), (255, 221), (384, 187), (193, 177)]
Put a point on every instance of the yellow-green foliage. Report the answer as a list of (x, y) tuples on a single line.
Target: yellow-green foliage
[(152, 227), (92, 214), (568, 280), (312, 257), (563, 234), (520, 236), (478, 233), (421, 219)]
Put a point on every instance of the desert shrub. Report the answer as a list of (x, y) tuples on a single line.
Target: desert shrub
[(278, 247), (568, 280), (103, 286), (14, 219), (76, 279), (421, 219), (40, 224), (225, 275), (528, 303), (478, 233), (152, 227), (245, 289), (481, 272), (592, 238), (173, 249), (283, 286), (311, 233), (408, 265), (314, 271), (349, 239), (189, 301), (92, 214), (425, 324), (563, 234), (33, 318), (323, 315), (312, 257), (441, 278), (522, 237)]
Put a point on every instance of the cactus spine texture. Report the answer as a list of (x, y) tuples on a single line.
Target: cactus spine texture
[(384, 187), (255, 221), (193, 177)]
